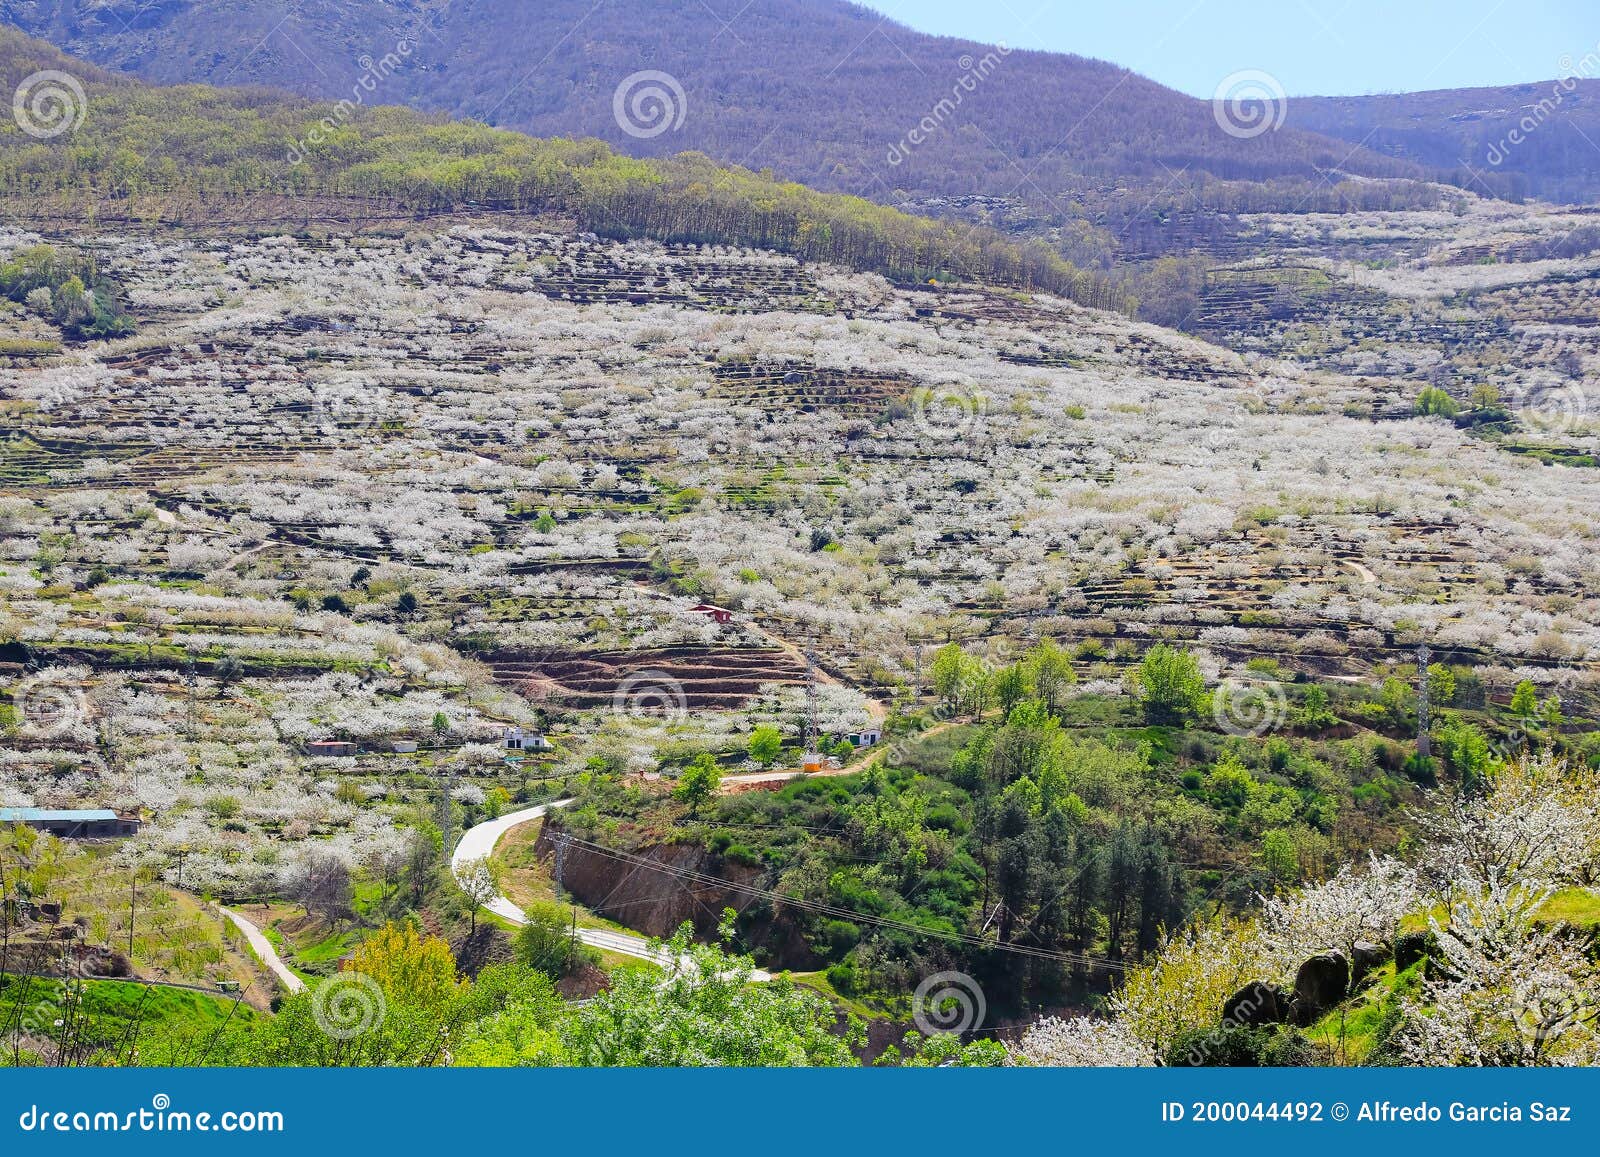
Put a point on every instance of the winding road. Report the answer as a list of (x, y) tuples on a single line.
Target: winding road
[(478, 844), (264, 950)]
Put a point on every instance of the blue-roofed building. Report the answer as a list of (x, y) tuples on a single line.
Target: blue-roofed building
[(74, 824)]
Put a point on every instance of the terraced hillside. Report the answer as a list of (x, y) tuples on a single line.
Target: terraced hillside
[(418, 486)]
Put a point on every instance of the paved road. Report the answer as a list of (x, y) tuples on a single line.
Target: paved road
[(478, 844), (264, 950)]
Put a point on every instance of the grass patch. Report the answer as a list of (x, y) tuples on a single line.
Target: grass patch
[(166, 1025), (525, 880)]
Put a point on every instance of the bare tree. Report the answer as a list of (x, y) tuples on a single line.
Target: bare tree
[(320, 883)]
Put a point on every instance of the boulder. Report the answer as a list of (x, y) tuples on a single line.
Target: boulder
[(1322, 982), (1367, 959), (1410, 947), (1256, 1004)]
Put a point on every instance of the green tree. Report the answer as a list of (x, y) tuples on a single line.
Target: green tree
[(1550, 712), (766, 742), (407, 965), (1050, 672), (698, 783), (519, 1025), (1434, 402), (1170, 685), (1525, 700), (547, 942), (1465, 750), (1441, 684), (1279, 859), (1398, 700), (1314, 709), (949, 665), (1010, 686), (704, 1011)]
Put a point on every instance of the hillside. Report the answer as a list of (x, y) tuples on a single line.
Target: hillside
[(1060, 133), (177, 152), (864, 592), (1526, 140)]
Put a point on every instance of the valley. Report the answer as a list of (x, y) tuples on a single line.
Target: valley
[(537, 589)]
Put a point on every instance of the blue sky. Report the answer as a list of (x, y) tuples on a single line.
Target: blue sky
[(1313, 47)]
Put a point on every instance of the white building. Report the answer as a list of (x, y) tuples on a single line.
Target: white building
[(520, 740)]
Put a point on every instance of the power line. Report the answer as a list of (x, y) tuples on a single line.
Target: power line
[(824, 909)]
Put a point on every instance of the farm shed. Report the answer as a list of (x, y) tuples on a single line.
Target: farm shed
[(81, 824), (337, 749)]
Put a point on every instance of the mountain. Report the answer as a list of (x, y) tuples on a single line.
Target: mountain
[(100, 145), (820, 91), (1540, 139)]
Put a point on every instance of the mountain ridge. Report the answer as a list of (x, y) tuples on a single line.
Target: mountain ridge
[(1046, 128)]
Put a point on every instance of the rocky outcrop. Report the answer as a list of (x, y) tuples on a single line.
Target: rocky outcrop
[(1368, 958), (1256, 1004), (1411, 947), (655, 898), (1322, 982)]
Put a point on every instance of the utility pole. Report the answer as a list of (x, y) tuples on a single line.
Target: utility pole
[(812, 757), (190, 679), (1424, 741), (562, 840), (447, 820), (133, 900)]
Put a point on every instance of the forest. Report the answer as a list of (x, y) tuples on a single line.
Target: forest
[(155, 149)]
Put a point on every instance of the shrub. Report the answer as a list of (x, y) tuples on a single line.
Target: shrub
[(1422, 770), (1239, 1046), (841, 936), (546, 943), (843, 978)]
